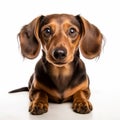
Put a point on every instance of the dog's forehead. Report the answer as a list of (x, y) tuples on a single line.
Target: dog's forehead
[(60, 18)]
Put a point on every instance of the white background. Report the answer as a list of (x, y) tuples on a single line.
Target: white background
[(15, 71)]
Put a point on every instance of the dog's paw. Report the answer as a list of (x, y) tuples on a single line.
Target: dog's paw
[(82, 106), (38, 108)]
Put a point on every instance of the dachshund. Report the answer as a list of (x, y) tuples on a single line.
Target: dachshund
[(60, 75)]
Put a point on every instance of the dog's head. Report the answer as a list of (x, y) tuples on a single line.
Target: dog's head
[(60, 35)]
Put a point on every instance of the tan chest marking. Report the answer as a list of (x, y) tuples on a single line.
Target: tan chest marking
[(64, 71)]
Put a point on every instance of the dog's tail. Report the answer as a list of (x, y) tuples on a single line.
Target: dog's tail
[(19, 90)]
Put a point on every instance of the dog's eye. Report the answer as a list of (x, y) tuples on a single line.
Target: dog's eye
[(72, 32), (47, 32)]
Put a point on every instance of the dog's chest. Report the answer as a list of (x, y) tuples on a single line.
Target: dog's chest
[(61, 76)]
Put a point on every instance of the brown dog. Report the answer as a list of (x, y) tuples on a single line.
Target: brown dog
[(60, 74)]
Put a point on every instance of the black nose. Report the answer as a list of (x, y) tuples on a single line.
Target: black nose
[(59, 53)]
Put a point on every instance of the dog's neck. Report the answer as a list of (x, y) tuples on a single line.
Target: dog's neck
[(61, 72)]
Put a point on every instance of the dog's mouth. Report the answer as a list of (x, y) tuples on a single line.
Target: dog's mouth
[(57, 63), (60, 63)]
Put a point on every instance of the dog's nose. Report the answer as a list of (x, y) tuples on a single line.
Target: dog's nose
[(59, 53)]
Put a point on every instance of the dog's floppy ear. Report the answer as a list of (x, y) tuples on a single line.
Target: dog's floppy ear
[(29, 40), (91, 39)]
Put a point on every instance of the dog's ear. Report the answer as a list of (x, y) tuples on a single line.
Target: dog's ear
[(29, 40), (91, 39)]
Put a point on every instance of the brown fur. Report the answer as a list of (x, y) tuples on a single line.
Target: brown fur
[(60, 74)]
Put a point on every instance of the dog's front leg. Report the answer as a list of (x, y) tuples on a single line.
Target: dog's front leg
[(81, 103), (39, 102)]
